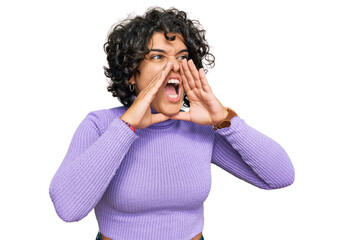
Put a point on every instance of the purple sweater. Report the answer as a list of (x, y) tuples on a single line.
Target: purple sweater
[(152, 184)]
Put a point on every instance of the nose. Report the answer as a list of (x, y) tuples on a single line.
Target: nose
[(176, 64)]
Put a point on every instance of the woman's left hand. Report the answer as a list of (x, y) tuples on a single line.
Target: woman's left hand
[(205, 108)]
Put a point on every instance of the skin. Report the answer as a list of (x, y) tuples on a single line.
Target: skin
[(197, 237), (162, 51), (205, 108)]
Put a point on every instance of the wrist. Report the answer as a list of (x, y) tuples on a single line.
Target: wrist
[(129, 125), (227, 120), (226, 112)]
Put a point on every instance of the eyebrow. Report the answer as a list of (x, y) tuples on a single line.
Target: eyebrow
[(163, 51)]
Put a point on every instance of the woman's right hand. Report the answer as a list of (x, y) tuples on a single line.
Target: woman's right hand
[(139, 113)]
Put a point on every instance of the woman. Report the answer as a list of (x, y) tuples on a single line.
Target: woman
[(145, 167)]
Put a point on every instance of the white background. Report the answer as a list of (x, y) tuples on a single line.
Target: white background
[(290, 69)]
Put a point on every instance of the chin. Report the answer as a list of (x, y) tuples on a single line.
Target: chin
[(171, 111)]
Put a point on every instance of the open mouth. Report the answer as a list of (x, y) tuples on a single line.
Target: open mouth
[(172, 89)]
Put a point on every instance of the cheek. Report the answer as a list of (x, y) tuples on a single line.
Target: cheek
[(148, 73)]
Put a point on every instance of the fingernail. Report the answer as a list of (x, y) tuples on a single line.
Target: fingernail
[(168, 64)]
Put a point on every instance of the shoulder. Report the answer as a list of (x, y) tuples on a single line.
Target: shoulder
[(103, 117)]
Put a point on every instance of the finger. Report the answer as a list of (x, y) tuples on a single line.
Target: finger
[(160, 77), (181, 116), (157, 81), (158, 117), (148, 94), (184, 80), (203, 80), (188, 74), (194, 73)]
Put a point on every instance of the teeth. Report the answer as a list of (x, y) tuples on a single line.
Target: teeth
[(172, 96), (174, 81)]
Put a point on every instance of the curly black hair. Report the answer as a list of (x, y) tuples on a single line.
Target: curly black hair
[(127, 46)]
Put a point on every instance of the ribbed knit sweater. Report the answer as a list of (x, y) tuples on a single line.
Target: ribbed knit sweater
[(152, 184)]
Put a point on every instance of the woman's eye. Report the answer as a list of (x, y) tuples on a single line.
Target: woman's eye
[(183, 57), (157, 57)]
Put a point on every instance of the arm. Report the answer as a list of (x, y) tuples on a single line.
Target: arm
[(88, 167), (239, 149), (252, 156)]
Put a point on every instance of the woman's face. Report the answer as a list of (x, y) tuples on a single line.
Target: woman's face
[(169, 98)]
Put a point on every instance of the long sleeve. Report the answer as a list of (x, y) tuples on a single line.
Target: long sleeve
[(252, 156), (89, 165)]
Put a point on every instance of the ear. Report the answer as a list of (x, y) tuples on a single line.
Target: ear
[(132, 80)]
